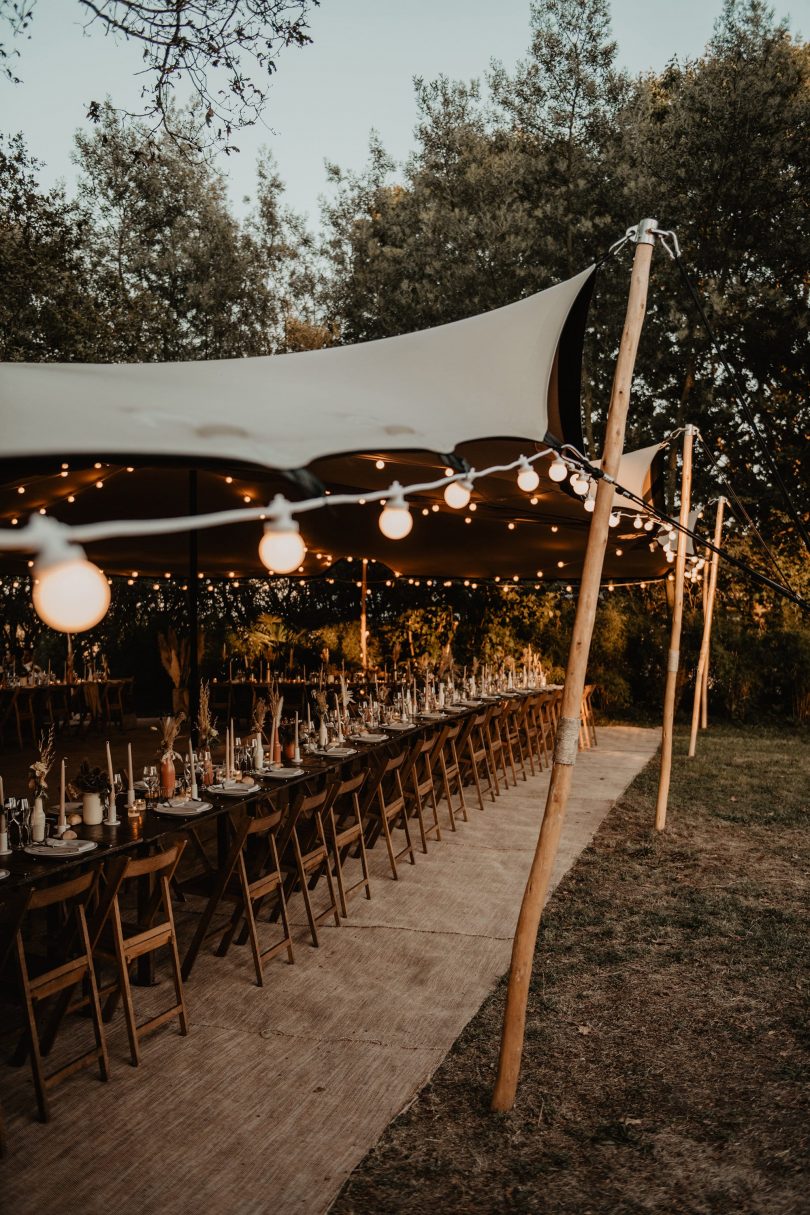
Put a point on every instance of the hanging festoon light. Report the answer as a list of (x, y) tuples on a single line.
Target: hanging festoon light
[(528, 478), (613, 519), (580, 484), (70, 593), (558, 470), (590, 505), (395, 517), (458, 493), (281, 548)]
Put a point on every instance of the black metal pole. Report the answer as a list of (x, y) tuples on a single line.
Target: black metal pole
[(193, 612)]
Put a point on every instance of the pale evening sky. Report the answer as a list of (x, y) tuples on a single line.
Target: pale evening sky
[(356, 75)]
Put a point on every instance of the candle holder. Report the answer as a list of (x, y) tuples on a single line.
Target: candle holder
[(112, 819)]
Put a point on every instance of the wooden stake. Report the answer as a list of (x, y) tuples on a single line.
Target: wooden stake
[(704, 691), (708, 611), (363, 631), (673, 657), (565, 751)]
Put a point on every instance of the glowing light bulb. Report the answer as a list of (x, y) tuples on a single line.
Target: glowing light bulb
[(590, 505), (282, 548), (649, 525), (70, 595), (380, 464), (613, 521), (637, 523), (457, 494), (558, 470), (528, 478), (395, 519), (670, 555), (579, 484)]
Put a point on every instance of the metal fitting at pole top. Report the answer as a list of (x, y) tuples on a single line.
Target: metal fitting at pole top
[(646, 231)]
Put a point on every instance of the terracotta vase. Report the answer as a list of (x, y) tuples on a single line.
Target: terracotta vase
[(208, 769), (289, 750), (168, 777)]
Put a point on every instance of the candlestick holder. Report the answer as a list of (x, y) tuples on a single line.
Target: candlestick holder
[(112, 819)]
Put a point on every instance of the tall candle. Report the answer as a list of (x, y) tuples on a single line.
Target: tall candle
[(193, 770), (62, 821), (130, 777), (112, 817), (227, 753), (2, 794)]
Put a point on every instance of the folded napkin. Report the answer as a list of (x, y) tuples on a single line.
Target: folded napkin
[(55, 849), (283, 773)]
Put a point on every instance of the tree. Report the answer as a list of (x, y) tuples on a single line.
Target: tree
[(180, 277), (48, 305), (223, 53)]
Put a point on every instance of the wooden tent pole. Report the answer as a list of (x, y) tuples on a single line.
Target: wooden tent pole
[(673, 657), (363, 618), (565, 750), (708, 611), (704, 692)]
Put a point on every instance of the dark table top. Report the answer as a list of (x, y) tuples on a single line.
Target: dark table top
[(153, 828)]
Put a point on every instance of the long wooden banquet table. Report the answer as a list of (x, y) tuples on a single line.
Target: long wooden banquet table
[(87, 702), (154, 830)]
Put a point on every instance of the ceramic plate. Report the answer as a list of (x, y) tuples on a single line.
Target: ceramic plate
[(62, 851), (182, 809)]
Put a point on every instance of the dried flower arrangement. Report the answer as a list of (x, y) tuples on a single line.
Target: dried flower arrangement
[(168, 728), (39, 769), (259, 715), (206, 725)]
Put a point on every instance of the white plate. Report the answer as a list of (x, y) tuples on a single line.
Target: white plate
[(182, 809), (233, 790), (399, 725), (337, 752), (4, 873), (369, 738), (283, 773), (61, 852)]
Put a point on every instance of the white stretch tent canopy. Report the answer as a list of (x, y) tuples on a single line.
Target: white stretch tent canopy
[(490, 375)]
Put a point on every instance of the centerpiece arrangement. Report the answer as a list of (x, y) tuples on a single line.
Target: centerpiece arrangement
[(94, 786), (168, 728)]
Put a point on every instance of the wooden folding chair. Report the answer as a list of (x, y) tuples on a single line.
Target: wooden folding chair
[(422, 788), (513, 725), (588, 720), (73, 942), (312, 859), (478, 760), (123, 943), (345, 817), (12, 913), (390, 810), (251, 874), (449, 769), (497, 746)]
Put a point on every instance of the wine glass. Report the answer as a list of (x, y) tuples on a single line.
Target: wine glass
[(151, 779)]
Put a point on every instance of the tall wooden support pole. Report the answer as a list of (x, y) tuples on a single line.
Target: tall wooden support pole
[(363, 617), (193, 611), (704, 691), (565, 750), (673, 657), (708, 611)]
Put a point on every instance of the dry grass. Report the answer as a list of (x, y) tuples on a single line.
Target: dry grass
[(667, 1059)]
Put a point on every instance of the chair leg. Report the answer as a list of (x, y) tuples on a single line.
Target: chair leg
[(180, 997), (302, 878), (33, 1038), (125, 986)]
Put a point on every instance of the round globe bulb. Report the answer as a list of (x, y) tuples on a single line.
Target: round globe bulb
[(558, 470), (579, 485), (396, 521), (456, 494), (282, 549), (528, 479), (590, 505), (649, 525), (71, 595), (670, 554), (614, 519)]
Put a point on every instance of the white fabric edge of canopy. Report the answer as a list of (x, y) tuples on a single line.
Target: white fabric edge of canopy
[(484, 377)]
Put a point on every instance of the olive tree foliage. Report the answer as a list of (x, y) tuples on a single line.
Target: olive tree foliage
[(219, 55), (530, 175)]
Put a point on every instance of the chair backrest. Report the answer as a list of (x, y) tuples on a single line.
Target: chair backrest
[(263, 823), (159, 862), (77, 889), (353, 784)]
